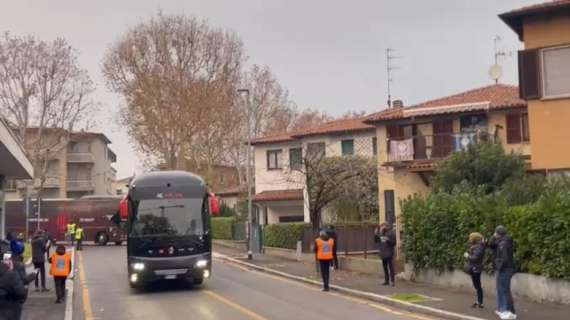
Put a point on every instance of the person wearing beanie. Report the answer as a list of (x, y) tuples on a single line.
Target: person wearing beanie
[(503, 246)]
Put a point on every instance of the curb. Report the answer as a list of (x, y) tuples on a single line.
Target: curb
[(69, 286), (356, 293)]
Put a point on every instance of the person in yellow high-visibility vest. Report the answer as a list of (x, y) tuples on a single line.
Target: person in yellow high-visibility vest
[(79, 237), (324, 248), (71, 231)]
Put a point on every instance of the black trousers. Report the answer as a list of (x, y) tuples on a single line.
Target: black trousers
[(389, 272), (72, 235), (41, 275), (325, 272), (476, 278), (79, 244), (60, 287)]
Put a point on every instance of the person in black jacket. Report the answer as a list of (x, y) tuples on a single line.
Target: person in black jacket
[(13, 292), (475, 257), (386, 238), (503, 245), (39, 251)]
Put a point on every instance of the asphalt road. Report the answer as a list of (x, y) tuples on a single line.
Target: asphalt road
[(231, 293)]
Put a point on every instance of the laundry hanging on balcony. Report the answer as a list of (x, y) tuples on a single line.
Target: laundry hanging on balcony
[(402, 150), (462, 141)]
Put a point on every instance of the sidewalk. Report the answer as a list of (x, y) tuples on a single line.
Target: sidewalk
[(441, 298), (41, 305)]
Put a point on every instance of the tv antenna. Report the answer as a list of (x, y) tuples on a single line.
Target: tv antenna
[(496, 71), (389, 68)]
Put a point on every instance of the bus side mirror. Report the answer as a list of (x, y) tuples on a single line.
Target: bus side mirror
[(214, 205), (124, 209)]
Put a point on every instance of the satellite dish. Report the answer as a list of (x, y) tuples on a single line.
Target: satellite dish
[(495, 72)]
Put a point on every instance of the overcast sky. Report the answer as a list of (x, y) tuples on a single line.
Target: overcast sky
[(330, 54)]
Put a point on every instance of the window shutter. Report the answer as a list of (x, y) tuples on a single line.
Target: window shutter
[(514, 128), (529, 74)]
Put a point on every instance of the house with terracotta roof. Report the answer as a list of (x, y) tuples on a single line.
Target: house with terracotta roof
[(280, 194), (412, 140), (544, 80)]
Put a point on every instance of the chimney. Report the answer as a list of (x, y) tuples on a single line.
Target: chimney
[(398, 104)]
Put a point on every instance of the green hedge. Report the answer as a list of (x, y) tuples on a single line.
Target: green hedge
[(436, 228), (283, 235), (222, 228)]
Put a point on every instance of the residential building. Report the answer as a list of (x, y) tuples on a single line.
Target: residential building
[(412, 140), (82, 167), (121, 186), (280, 193), (544, 80), (13, 165)]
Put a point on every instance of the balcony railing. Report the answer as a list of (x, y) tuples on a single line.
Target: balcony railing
[(83, 157), (80, 185), (50, 182), (426, 147)]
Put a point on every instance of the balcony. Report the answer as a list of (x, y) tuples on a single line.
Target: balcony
[(80, 157), (49, 183), (80, 185), (431, 147)]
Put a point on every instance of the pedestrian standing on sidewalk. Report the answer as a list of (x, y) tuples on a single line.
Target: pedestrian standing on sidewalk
[(503, 246), (324, 247), (475, 257), (331, 231), (60, 269), (79, 237), (386, 238), (39, 245)]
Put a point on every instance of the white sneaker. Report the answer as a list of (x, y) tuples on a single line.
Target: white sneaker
[(502, 315), (510, 315)]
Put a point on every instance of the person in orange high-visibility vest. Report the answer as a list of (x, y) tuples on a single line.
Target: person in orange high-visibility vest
[(60, 269), (324, 248)]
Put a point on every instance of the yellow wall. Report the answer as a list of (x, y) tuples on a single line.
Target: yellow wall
[(499, 118), (549, 119)]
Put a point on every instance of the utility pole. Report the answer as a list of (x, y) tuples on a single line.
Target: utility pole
[(248, 176)]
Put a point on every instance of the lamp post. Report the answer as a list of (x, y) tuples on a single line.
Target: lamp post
[(248, 175)]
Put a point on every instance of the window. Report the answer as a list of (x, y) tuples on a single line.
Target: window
[(78, 147), (11, 185), (374, 146), (556, 72), (347, 147), (529, 74), (288, 219), (389, 206), (517, 128), (273, 159), (295, 158), (473, 123), (316, 150)]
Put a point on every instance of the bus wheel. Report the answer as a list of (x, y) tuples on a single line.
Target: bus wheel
[(118, 243), (102, 239)]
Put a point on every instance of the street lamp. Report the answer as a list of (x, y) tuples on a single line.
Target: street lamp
[(248, 175)]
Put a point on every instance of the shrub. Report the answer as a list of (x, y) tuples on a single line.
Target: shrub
[(222, 228), (436, 228), (283, 235), (226, 211), (482, 165)]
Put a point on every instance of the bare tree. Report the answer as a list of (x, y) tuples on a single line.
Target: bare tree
[(271, 111), (177, 74), (44, 94), (308, 118)]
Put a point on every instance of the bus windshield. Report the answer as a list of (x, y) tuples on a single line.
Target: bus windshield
[(168, 217)]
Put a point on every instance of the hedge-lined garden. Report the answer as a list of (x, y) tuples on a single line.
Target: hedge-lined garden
[(535, 210), (222, 228), (283, 235)]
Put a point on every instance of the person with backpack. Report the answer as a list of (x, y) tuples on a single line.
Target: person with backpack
[(60, 269)]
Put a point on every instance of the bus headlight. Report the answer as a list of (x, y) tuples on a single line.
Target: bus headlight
[(202, 263), (139, 266), (206, 274), (134, 277)]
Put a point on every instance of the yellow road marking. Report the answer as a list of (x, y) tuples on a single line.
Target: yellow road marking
[(312, 287), (87, 310), (234, 305)]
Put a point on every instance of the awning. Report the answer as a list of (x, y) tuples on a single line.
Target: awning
[(279, 195), (13, 161)]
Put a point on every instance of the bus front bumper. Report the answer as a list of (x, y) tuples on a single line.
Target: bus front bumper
[(144, 269)]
